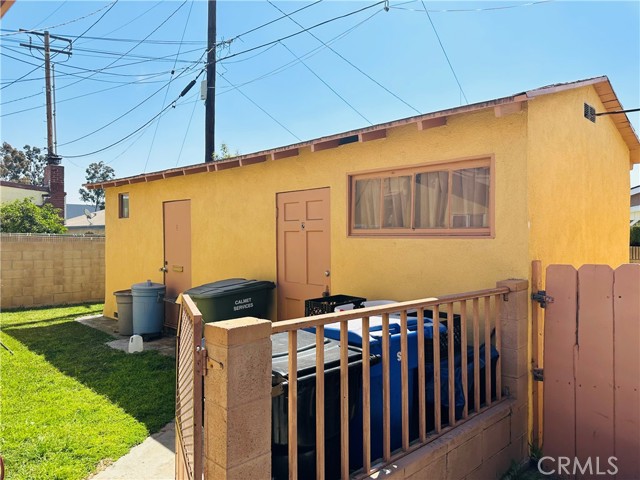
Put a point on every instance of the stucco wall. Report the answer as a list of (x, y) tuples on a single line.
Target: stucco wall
[(50, 270), (9, 194), (234, 217), (578, 182)]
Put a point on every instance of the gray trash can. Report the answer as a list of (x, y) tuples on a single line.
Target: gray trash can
[(124, 300), (148, 308)]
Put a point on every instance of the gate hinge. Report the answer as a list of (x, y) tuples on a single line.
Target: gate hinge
[(538, 374), (542, 298), (201, 356)]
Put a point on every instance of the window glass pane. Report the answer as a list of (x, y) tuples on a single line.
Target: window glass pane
[(470, 198), (367, 204), (397, 202), (431, 200), (124, 205)]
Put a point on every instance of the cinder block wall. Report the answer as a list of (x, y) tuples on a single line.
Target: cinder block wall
[(41, 270)]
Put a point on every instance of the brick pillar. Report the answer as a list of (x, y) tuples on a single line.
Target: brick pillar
[(54, 181), (237, 392), (514, 319)]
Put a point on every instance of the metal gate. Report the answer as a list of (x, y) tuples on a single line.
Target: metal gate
[(189, 395), (591, 372)]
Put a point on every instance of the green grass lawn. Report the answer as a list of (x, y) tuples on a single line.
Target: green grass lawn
[(68, 402)]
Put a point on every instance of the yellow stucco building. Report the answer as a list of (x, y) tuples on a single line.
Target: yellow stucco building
[(446, 202)]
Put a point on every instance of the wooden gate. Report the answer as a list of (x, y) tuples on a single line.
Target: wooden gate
[(592, 369), (189, 399)]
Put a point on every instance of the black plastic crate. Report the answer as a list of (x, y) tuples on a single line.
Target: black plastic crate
[(444, 337), (319, 306)]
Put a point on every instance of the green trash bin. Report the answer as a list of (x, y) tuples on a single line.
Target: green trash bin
[(232, 298)]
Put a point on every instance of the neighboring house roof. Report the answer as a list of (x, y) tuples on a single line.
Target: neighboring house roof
[(82, 221), (502, 106), (635, 190), (23, 186), (77, 209)]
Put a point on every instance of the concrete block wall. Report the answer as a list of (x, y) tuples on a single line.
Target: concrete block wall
[(37, 270), (480, 449)]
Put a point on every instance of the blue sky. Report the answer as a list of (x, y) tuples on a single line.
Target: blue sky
[(296, 89)]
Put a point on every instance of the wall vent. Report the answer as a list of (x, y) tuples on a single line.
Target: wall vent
[(589, 112)]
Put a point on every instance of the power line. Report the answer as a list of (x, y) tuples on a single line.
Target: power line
[(133, 20), (193, 110), (346, 60), (15, 32), (460, 10), (259, 107), (85, 70), (290, 64), (51, 14), (71, 98), (445, 52), (131, 49), (172, 104), (166, 93), (303, 31), (326, 84), (95, 23)]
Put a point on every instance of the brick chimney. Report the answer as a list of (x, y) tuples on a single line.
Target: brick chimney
[(54, 181)]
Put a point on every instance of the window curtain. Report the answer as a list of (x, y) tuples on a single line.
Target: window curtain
[(397, 202), (367, 204), (470, 199), (431, 205)]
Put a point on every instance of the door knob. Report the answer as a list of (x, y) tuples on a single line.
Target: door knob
[(327, 273), (164, 269)]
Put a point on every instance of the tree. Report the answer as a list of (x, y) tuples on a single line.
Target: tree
[(224, 153), (22, 166), (96, 172), (24, 216)]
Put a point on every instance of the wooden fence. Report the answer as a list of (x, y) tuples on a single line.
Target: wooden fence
[(592, 367)]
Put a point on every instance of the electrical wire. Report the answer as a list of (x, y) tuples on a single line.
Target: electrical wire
[(326, 84), (259, 107), (290, 64), (131, 49), (460, 10), (166, 93), (94, 23), (232, 55), (186, 133), (85, 70), (445, 52), (16, 32), (51, 14), (131, 21), (346, 60), (148, 122)]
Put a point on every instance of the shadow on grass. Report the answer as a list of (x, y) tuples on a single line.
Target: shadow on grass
[(142, 384)]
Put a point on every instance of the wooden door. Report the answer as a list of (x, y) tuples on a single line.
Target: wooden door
[(304, 257), (177, 255)]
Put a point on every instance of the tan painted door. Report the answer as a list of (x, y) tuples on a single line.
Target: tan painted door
[(304, 257), (177, 255)]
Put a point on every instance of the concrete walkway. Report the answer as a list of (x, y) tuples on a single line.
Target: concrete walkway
[(153, 459)]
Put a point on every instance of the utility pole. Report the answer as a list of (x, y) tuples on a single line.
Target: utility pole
[(52, 157), (47, 82), (210, 101)]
